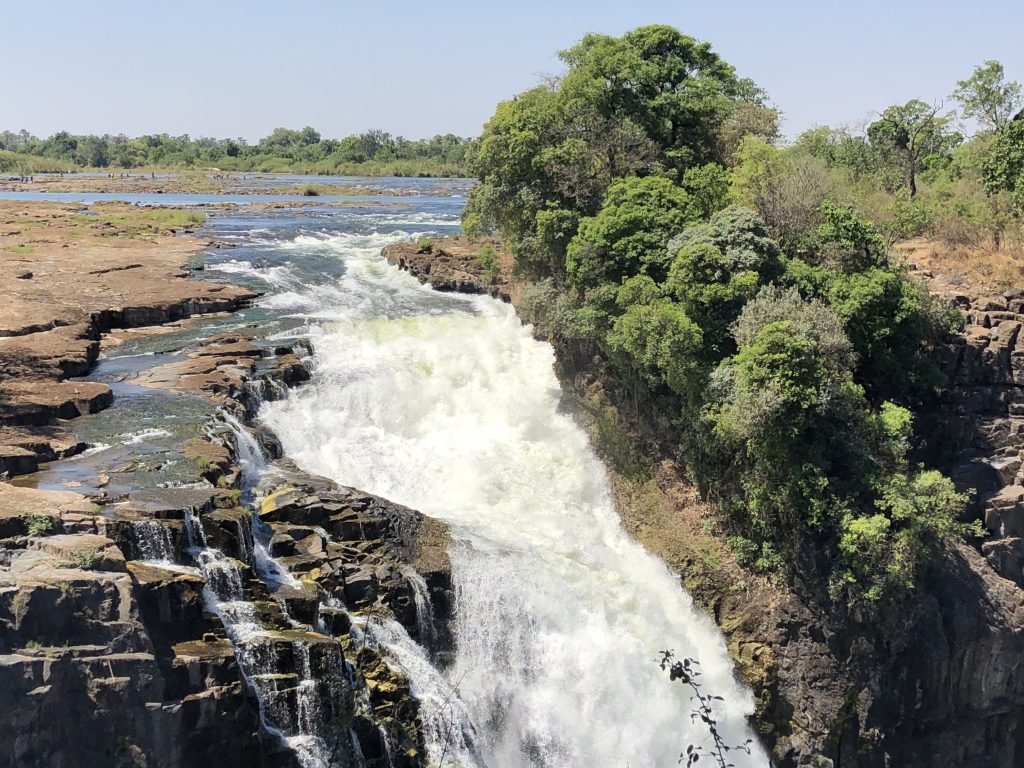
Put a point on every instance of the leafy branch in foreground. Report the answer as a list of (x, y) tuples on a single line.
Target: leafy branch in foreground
[(687, 672)]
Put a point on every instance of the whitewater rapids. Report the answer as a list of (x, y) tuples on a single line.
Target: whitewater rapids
[(450, 406)]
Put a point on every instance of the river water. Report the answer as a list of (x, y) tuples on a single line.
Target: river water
[(447, 404)]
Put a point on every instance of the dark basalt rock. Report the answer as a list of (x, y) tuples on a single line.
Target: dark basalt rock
[(362, 549)]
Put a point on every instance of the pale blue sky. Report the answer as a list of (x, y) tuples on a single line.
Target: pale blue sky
[(242, 67)]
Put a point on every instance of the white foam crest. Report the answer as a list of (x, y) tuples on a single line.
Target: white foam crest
[(150, 433), (369, 287), (278, 276), (561, 614), (93, 449), (417, 218), (347, 241)]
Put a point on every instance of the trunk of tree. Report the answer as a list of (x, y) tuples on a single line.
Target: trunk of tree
[(912, 182)]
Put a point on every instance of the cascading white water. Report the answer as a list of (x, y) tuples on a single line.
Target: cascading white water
[(247, 451), (451, 407), (153, 541), (300, 725)]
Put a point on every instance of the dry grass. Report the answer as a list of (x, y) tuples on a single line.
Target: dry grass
[(984, 268), (132, 221)]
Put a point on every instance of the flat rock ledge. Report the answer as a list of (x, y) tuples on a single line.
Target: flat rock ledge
[(455, 264)]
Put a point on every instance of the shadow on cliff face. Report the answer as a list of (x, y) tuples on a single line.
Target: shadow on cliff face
[(952, 695)]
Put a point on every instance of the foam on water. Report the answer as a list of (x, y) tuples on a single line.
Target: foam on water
[(150, 433), (451, 407)]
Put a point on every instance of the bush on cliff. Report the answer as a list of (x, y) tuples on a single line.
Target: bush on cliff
[(775, 374)]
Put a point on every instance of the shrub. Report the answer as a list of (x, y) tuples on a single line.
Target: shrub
[(740, 236), (629, 234), (786, 416), (425, 245), (882, 553), (904, 219), (556, 315), (886, 317), (489, 263), (87, 558), (39, 525), (851, 244), (659, 343)]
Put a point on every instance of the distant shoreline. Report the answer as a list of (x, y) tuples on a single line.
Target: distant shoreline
[(202, 182)]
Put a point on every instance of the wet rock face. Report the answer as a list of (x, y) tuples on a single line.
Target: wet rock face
[(366, 552), (104, 633), (108, 662), (235, 370)]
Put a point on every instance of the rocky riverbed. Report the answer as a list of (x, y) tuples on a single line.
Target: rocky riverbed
[(224, 616)]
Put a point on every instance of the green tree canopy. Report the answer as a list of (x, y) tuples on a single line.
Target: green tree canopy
[(653, 102), (986, 97), (913, 132), (629, 234), (1004, 168)]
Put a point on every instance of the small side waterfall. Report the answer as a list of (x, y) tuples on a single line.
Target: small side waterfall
[(247, 451), (424, 610), (300, 677), (154, 541), (448, 730)]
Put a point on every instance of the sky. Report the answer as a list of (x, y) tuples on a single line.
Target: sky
[(239, 68)]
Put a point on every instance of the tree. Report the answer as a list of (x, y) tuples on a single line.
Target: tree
[(788, 416), (886, 317), (750, 116), (629, 234), (659, 343), (913, 132), (986, 96), (741, 237), (848, 242), (786, 187), (1003, 170), (674, 87), (650, 103), (92, 151)]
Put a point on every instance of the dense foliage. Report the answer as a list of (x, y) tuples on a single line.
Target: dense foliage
[(1004, 166), (301, 151), (747, 304)]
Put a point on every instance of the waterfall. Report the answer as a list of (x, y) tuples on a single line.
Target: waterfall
[(424, 610), (448, 405), (295, 703), (248, 452), (153, 541), (447, 725)]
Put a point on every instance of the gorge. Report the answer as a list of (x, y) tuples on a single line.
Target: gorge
[(440, 402), (652, 437)]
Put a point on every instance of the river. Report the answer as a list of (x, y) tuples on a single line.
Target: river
[(447, 404)]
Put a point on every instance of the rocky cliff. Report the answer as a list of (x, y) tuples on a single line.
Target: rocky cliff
[(112, 651)]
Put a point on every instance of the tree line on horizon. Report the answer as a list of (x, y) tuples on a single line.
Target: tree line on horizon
[(283, 150)]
